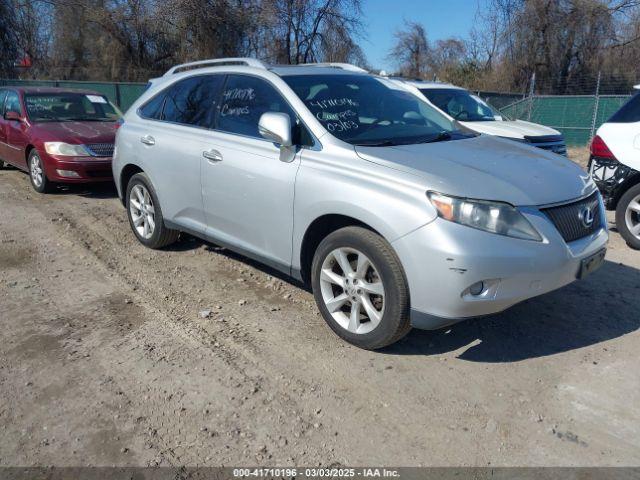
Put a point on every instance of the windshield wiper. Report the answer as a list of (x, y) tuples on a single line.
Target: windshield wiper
[(384, 143), (439, 137), (85, 119)]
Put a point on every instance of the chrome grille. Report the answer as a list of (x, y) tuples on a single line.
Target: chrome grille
[(568, 219), (100, 149)]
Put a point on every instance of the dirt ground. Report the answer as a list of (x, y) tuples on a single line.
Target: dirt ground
[(108, 357), (580, 155)]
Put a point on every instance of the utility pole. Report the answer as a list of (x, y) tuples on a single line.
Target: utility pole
[(596, 105), (532, 89)]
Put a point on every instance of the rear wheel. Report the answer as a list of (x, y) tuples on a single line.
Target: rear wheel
[(145, 214), (39, 180), (628, 216), (360, 288)]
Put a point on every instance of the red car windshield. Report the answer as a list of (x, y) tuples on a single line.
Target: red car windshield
[(69, 107)]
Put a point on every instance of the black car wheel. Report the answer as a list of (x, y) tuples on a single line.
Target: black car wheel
[(628, 216)]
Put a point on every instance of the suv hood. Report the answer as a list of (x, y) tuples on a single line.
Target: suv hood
[(511, 128), (75, 132), (487, 168)]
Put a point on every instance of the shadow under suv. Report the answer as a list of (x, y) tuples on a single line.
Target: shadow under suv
[(396, 215)]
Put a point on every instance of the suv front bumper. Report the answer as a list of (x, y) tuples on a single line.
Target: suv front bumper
[(442, 260)]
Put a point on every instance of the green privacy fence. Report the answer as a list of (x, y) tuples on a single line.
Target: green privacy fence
[(119, 93), (576, 116)]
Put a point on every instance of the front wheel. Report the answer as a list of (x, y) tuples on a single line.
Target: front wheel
[(39, 180), (628, 216), (145, 214), (360, 288)]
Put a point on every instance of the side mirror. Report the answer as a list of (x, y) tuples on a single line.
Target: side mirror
[(11, 115), (276, 127)]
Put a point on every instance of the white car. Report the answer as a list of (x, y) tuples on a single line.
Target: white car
[(475, 114), (615, 166)]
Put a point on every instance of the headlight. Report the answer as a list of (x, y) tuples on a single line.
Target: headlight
[(493, 217), (66, 149)]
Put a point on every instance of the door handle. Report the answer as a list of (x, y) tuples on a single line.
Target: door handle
[(212, 155), (148, 140)]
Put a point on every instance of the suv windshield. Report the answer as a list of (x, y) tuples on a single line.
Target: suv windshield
[(365, 110), (459, 104), (67, 107)]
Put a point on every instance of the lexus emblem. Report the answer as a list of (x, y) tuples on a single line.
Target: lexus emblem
[(586, 216)]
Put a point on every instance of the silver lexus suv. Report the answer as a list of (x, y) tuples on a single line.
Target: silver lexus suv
[(394, 214)]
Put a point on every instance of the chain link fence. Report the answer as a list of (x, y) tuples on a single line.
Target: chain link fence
[(578, 115)]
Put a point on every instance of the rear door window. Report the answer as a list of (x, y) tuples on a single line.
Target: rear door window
[(243, 102), (629, 112), (193, 101)]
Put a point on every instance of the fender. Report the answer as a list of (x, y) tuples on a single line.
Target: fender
[(391, 205)]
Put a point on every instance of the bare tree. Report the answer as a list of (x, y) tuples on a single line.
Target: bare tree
[(211, 28), (297, 27), (30, 23), (565, 42), (7, 40), (411, 52), (337, 45)]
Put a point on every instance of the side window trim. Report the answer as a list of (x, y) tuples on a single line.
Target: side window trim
[(164, 102), (216, 117), (299, 122)]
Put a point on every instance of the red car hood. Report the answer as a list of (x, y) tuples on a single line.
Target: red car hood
[(75, 132)]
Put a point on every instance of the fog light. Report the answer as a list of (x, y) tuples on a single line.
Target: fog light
[(477, 288), (68, 173)]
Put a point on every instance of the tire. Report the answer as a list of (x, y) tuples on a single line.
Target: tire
[(37, 175), (145, 214), (628, 216), (381, 272)]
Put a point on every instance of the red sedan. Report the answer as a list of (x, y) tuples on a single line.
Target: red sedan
[(57, 135)]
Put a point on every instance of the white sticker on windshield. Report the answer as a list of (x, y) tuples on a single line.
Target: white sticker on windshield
[(96, 99)]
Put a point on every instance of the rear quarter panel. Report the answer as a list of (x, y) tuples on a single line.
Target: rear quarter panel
[(623, 139)]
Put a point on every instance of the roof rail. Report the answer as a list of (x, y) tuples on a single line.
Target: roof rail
[(216, 62), (342, 66)]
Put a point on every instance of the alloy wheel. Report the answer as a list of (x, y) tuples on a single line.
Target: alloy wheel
[(37, 174), (142, 211), (352, 290), (632, 216)]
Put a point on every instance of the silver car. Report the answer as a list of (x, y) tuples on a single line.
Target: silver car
[(394, 214)]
